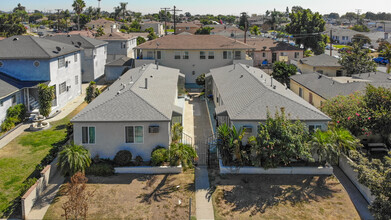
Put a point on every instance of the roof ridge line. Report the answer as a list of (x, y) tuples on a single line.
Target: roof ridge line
[(149, 104), (32, 38)]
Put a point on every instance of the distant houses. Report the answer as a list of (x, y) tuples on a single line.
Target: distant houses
[(323, 64), (26, 61)]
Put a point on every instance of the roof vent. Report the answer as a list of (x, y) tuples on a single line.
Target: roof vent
[(274, 87), (320, 76), (261, 76), (247, 66), (119, 92), (241, 76), (58, 49), (15, 39), (110, 35), (68, 35)]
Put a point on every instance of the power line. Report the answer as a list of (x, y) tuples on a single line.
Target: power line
[(175, 10), (165, 19)]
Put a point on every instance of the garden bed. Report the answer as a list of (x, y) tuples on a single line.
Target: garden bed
[(149, 169), (310, 170)]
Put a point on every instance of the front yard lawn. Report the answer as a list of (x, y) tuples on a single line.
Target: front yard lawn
[(136, 196), (20, 157), (280, 197)]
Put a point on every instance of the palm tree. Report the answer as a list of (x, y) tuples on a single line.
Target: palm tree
[(176, 133), (386, 53), (322, 145), (182, 154), (78, 6), (72, 159), (344, 140), (236, 142), (123, 9), (255, 30)]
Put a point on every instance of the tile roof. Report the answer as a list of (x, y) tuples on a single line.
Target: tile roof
[(29, 47), (116, 36), (194, 42), (328, 88), (270, 44), (321, 60), (125, 100), (85, 42), (247, 94)]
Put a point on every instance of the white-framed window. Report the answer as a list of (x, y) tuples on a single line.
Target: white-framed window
[(177, 55), (75, 57), (238, 55), (185, 55), (61, 62), (158, 54), (227, 55), (134, 134), (36, 63), (76, 80), (202, 55), (211, 55), (62, 87), (312, 128), (88, 135), (301, 92)]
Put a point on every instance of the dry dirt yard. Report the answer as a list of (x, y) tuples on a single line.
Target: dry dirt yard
[(136, 196), (280, 197)]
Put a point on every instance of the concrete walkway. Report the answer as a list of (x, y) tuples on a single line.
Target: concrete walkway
[(358, 200), (42, 204), (204, 206)]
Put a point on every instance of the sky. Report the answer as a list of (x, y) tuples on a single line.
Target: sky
[(232, 7)]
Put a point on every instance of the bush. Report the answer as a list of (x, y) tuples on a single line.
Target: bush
[(17, 111), (159, 155), (139, 161), (100, 169), (8, 124), (123, 157), (69, 128)]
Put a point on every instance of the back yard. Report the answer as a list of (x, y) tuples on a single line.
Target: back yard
[(280, 197), (136, 196), (18, 161)]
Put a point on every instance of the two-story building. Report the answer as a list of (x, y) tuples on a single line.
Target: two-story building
[(193, 54), (93, 55), (323, 64), (157, 27), (119, 45), (188, 27), (28, 60), (106, 25)]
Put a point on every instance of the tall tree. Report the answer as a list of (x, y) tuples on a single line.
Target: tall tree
[(255, 30), (45, 98), (357, 61), (204, 30), (78, 6), (19, 7), (282, 72), (307, 27), (386, 53), (124, 11), (361, 39), (91, 92)]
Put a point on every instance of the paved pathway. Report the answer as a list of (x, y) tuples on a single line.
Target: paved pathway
[(358, 200), (202, 130)]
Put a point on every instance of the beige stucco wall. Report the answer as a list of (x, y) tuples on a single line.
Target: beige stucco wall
[(328, 71), (258, 56), (316, 99)]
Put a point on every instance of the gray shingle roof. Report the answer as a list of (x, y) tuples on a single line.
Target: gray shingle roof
[(123, 61), (85, 42), (9, 85), (246, 95), (29, 47), (321, 60), (126, 101), (328, 88)]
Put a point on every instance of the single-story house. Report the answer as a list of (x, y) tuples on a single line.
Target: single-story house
[(115, 69), (135, 113), (243, 95), (323, 64)]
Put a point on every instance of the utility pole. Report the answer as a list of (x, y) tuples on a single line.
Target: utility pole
[(331, 42), (58, 19), (165, 19), (99, 8), (358, 14), (175, 10)]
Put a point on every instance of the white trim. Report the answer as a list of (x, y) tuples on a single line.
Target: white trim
[(134, 133), (88, 135)]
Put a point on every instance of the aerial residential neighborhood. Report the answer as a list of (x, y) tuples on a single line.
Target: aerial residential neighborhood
[(195, 110)]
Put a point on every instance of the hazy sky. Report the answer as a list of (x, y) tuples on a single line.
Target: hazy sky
[(211, 6)]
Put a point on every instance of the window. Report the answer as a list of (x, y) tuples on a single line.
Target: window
[(343, 37), (227, 55), (75, 57), (159, 54), (297, 54), (312, 128), (301, 92), (88, 135), (177, 55), (202, 55), (320, 71), (310, 99), (62, 88), (134, 134), (193, 72), (263, 54), (36, 63), (76, 80), (211, 55), (187, 28), (61, 62), (149, 54), (123, 45), (238, 55), (346, 38), (186, 55)]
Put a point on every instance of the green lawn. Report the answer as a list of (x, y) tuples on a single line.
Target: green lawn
[(20, 157), (170, 30), (340, 46)]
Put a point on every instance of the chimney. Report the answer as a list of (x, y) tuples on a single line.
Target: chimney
[(146, 83)]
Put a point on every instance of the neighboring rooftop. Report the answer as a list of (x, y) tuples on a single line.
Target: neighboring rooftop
[(193, 42), (247, 94), (85, 33), (268, 44), (328, 87), (321, 60), (29, 47), (129, 99), (78, 41), (116, 36), (123, 61), (187, 24), (9, 85), (100, 21)]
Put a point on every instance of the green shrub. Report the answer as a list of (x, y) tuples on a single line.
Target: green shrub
[(159, 155), (69, 129), (139, 161), (17, 111), (8, 124), (100, 169), (123, 157)]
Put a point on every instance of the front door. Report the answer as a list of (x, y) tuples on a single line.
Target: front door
[(274, 57)]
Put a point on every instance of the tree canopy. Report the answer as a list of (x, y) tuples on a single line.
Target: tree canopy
[(357, 61), (204, 30), (282, 72)]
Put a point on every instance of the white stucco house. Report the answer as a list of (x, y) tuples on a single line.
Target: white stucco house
[(135, 113), (119, 45), (243, 95), (28, 61), (158, 27), (193, 54), (93, 55)]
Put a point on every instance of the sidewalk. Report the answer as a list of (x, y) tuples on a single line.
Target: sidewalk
[(358, 200), (204, 206)]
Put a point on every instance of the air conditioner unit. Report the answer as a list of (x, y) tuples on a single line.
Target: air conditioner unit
[(154, 129), (248, 129)]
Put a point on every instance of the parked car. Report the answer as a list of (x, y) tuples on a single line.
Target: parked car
[(42, 27), (380, 60)]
